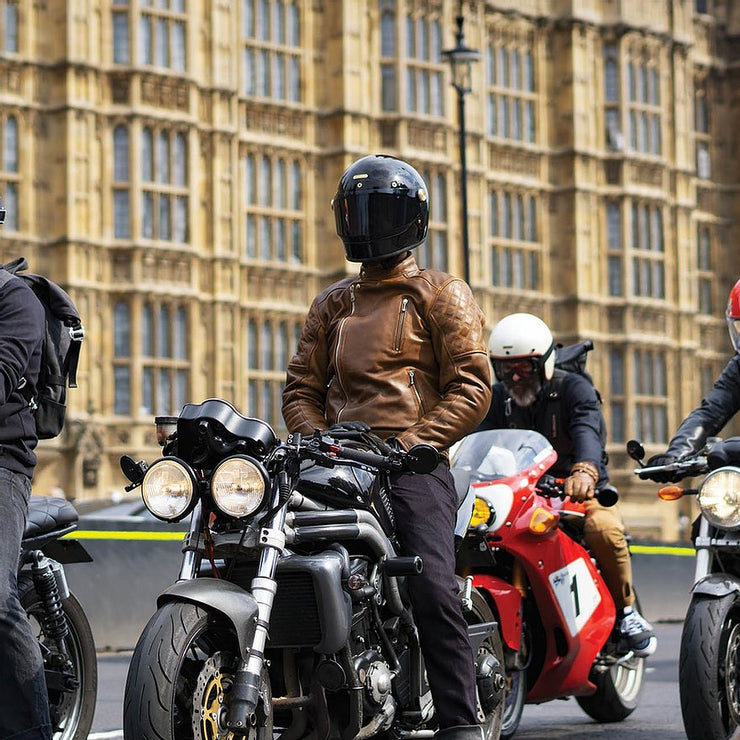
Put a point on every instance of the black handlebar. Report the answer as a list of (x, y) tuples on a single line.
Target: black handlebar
[(551, 487), (680, 469)]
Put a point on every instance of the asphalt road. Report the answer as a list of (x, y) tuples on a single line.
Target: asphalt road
[(658, 717)]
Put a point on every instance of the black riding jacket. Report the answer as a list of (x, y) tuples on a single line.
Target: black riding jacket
[(567, 412), (716, 409), (22, 322)]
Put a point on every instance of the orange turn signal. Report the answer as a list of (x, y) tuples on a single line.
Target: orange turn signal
[(543, 521), (670, 493)]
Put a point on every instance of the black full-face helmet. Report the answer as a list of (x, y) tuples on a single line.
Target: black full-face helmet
[(381, 208)]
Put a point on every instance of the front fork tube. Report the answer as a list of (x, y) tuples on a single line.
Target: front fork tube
[(703, 552), (248, 677), (191, 559)]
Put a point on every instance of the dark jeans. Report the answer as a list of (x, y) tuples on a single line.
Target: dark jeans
[(425, 507), (24, 709)]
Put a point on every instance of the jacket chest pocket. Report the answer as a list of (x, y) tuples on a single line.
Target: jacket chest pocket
[(400, 323)]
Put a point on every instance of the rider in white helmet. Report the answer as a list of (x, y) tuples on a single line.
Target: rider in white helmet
[(531, 393)]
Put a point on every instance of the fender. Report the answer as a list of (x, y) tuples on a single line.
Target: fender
[(233, 602), (508, 603), (717, 585)]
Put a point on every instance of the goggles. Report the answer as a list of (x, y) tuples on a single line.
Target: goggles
[(521, 368)]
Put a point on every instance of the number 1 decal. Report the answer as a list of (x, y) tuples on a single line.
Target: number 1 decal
[(576, 594)]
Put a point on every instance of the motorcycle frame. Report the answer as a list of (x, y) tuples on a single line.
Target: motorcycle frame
[(569, 655)]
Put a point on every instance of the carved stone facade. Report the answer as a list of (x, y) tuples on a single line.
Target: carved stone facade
[(602, 190)]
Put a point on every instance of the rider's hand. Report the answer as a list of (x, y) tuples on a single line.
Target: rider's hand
[(664, 476), (580, 485), (345, 429)]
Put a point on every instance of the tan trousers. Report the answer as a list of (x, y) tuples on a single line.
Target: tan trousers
[(604, 534)]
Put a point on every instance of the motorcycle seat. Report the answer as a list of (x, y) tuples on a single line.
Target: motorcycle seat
[(48, 514)]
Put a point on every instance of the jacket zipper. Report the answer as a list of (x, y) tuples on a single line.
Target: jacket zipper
[(399, 327), (415, 389), (337, 374)]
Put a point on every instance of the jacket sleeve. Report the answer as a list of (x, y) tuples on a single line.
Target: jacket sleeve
[(456, 325), (307, 377), (583, 412), (496, 416), (21, 332), (708, 419)]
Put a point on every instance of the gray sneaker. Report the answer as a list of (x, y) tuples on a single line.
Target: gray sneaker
[(638, 634)]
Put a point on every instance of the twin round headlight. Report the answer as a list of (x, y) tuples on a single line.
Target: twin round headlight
[(719, 498), (238, 488)]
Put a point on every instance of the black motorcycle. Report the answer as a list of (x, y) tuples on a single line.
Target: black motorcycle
[(290, 615), (709, 659), (57, 618)]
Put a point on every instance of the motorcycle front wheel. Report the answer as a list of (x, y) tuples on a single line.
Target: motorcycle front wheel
[(709, 668), (72, 708), (180, 678)]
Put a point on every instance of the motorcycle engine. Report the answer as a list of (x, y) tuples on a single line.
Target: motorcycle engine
[(376, 676)]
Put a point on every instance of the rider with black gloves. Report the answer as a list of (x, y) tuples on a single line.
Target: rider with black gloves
[(716, 408), (564, 408), (402, 350)]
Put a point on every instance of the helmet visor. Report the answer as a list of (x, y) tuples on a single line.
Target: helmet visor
[(734, 327), (367, 216)]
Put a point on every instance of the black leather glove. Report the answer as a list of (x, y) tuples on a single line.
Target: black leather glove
[(348, 429), (664, 458), (349, 426)]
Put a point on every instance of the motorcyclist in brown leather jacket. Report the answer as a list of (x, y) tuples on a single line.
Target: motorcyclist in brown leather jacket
[(400, 350)]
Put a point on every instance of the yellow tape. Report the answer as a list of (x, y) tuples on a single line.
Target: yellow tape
[(104, 534), (663, 550), (94, 534)]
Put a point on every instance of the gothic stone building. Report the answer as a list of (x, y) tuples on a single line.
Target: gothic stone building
[(171, 163)]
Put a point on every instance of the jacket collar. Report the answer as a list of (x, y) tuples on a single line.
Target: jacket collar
[(403, 269)]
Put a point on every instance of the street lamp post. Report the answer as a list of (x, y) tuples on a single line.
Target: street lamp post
[(461, 59)]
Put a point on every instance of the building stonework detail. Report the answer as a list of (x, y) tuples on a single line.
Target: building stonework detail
[(181, 193)]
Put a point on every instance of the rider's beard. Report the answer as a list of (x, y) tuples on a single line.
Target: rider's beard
[(524, 392)]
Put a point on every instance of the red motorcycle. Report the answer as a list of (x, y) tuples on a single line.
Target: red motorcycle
[(524, 551)]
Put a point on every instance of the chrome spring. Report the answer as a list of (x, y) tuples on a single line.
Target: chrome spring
[(53, 621)]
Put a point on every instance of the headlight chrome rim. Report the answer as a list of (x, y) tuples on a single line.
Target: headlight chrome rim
[(152, 488), (236, 500), (719, 498)]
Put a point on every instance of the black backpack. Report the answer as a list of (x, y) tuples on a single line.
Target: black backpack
[(60, 349), (572, 358)]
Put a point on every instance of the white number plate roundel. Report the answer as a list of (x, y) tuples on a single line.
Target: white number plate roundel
[(576, 594)]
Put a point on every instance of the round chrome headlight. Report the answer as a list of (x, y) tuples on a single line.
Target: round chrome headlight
[(238, 486), (168, 489), (719, 498)]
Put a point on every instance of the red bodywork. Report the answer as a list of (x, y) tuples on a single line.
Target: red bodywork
[(573, 640)]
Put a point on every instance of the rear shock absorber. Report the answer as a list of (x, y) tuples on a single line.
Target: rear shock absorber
[(53, 620)]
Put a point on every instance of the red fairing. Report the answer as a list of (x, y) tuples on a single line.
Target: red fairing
[(573, 603)]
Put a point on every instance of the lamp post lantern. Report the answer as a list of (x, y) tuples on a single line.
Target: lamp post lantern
[(461, 59)]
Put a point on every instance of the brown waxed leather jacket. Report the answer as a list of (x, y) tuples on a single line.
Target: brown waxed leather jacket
[(401, 349)]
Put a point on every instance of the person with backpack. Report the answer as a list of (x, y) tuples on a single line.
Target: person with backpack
[(530, 393), (24, 708)]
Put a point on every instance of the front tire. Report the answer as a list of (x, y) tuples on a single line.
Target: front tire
[(180, 676), (709, 668)]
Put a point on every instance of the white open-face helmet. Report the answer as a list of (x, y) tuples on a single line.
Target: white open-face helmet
[(522, 336)]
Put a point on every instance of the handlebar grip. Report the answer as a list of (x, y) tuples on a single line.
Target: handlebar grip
[(607, 496), (367, 458)]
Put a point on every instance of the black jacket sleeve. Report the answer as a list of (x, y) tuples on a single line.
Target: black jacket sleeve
[(715, 410)]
